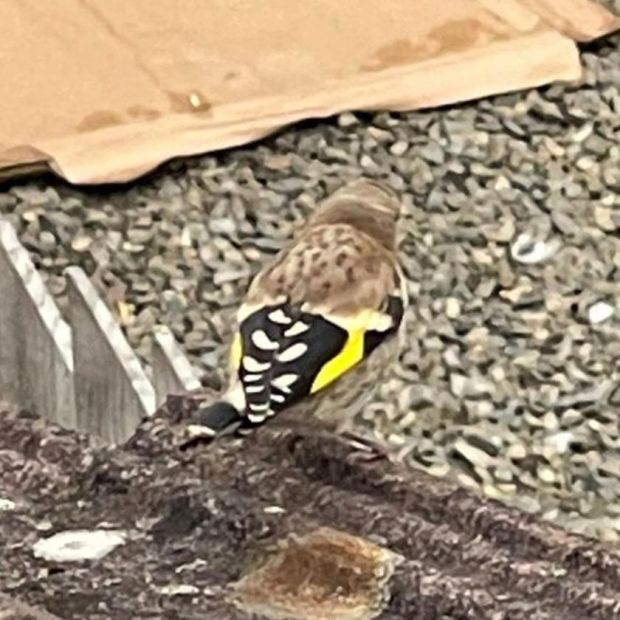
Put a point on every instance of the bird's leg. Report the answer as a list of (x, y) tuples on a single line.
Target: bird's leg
[(367, 449)]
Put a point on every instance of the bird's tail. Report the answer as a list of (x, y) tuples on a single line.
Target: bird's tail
[(219, 418)]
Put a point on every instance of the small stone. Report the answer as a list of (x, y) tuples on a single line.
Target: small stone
[(47, 241), (44, 526), (347, 119), (503, 474), (7, 504), (433, 153), (599, 312), (550, 421), (180, 590), (399, 148), (553, 147), (498, 374), (453, 308), (222, 226), (528, 251), (603, 218), (78, 545), (560, 442), (501, 233), (565, 223), (475, 456), (585, 163), (516, 451), (502, 183), (140, 235), (278, 162), (458, 384), (547, 475), (582, 133)]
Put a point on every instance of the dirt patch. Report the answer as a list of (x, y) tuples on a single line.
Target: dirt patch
[(196, 519)]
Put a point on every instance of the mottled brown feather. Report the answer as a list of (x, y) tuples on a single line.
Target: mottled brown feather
[(343, 260), (352, 272)]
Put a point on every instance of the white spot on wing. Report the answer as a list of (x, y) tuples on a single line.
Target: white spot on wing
[(262, 341), (283, 382), (277, 398), (259, 406), (278, 316), (297, 328), (256, 418), (249, 378), (254, 389), (252, 365), (293, 352)]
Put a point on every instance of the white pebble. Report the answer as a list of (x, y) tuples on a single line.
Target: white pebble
[(458, 384), (502, 183), (453, 308), (6, 504), (399, 148), (525, 250), (475, 456), (347, 119), (516, 451), (78, 545), (599, 312), (179, 590), (560, 442), (546, 474)]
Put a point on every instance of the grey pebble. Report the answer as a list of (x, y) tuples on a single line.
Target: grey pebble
[(512, 212)]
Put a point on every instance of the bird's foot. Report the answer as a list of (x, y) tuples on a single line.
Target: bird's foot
[(367, 450)]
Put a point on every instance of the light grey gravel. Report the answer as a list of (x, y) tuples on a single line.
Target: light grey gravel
[(510, 378)]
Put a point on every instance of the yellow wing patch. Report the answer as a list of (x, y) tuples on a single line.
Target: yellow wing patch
[(236, 352), (353, 351), (351, 354)]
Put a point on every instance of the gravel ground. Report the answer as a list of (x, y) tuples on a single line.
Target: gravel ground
[(512, 250)]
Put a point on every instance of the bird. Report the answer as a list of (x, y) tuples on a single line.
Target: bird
[(322, 323)]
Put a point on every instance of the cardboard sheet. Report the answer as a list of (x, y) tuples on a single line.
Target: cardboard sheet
[(105, 90)]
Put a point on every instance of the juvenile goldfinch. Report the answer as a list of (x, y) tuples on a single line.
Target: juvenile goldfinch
[(319, 324)]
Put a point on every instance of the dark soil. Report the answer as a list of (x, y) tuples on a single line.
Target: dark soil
[(200, 516)]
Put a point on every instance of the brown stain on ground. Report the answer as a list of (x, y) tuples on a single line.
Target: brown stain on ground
[(454, 36), (325, 574)]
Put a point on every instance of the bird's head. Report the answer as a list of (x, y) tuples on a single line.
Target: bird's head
[(367, 204)]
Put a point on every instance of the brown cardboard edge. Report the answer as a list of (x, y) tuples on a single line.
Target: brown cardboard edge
[(19, 171), (82, 160), (582, 20)]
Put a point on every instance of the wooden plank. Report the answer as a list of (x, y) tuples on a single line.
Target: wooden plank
[(172, 371), (112, 391), (36, 360)]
